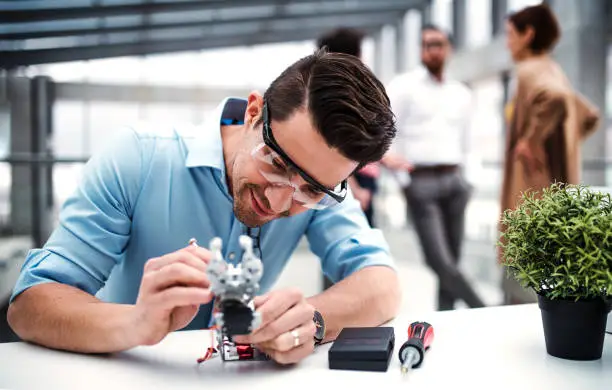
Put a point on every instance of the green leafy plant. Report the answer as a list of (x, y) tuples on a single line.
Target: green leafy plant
[(558, 242)]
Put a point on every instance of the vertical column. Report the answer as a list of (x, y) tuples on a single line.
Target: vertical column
[(426, 13), (378, 53), (31, 193), (582, 52), (498, 16), (42, 173), (390, 53), (19, 96), (414, 24), (3, 86), (385, 53), (5, 116), (400, 44), (459, 23)]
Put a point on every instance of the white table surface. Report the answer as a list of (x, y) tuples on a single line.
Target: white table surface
[(492, 348)]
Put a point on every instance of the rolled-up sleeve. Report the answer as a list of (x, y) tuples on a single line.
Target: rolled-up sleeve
[(94, 223), (344, 242)]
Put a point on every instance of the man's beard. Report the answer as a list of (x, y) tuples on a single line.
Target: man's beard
[(243, 209), (434, 68)]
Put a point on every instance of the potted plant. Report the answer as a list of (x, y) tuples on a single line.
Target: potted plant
[(558, 242)]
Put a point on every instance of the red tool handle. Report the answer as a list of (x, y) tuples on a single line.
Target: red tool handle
[(421, 331), (412, 352)]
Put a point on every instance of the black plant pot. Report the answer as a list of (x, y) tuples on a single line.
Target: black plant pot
[(574, 330)]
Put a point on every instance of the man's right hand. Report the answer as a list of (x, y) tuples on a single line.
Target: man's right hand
[(172, 289), (396, 162)]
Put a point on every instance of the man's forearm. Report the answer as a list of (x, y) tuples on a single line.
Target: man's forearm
[(63, 317), (369, 297)]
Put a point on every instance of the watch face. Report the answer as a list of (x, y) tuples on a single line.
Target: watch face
[(320, 324)]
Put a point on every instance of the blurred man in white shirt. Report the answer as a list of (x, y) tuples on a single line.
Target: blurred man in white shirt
[(432, 114)]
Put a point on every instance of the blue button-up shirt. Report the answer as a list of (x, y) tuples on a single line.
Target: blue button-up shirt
[(153, 190)]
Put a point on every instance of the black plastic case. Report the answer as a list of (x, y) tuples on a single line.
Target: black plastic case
[(363, 349)]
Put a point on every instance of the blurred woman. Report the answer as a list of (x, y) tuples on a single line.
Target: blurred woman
[(547, 120)]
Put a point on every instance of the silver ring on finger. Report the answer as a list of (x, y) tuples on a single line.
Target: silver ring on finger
[(296, 337)]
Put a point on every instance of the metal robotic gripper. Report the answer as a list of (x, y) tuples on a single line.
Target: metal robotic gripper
[(234, 287)]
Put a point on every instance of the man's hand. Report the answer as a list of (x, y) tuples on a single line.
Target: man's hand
[(396, 162), (172, 289), (283, 312)]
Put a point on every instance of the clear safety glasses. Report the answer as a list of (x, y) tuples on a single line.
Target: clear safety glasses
[(276, 167), (272, 167)]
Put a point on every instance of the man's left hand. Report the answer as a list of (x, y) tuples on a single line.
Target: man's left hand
[(287, 329)]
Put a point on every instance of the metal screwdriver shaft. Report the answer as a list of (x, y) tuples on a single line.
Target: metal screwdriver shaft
[(412, 357)]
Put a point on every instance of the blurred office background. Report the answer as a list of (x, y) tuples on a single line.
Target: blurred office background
[(74, 71)]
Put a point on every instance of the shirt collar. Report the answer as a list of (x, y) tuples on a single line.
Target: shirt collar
[(430, 78), (205, 149)]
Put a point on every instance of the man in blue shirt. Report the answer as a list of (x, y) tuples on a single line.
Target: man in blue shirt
[(118, 273)]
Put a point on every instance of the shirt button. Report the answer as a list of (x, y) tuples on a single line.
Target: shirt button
[(232, 255)]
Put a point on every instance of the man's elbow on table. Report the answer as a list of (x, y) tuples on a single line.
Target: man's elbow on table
[(12, 317), (19, 319), (28, 312), (60, 316)]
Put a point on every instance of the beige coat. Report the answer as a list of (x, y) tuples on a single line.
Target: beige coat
[(554, 120)]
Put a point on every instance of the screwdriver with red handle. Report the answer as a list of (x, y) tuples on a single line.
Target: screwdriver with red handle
[(412, 352)]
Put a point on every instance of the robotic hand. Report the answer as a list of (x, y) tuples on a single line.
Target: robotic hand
[(235, 286)]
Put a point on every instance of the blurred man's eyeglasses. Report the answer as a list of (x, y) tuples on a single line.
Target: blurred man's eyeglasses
[(276, 167), (428, 45)]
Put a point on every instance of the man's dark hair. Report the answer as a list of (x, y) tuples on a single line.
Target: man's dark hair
[(342, 40), (347, 103), (544, 23), (433, 27)]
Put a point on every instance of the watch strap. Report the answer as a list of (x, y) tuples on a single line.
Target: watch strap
[(320, 327)]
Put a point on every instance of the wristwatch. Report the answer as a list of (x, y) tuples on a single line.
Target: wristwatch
[(320, 327)]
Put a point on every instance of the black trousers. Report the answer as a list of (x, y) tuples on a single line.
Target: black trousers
[(436, 200)]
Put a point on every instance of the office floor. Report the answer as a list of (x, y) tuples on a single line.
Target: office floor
[(418, 282)]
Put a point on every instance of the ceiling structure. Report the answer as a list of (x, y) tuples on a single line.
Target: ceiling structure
[(41, 31)]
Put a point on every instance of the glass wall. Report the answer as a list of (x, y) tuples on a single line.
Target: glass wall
[(5, 170), (81, 128)]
